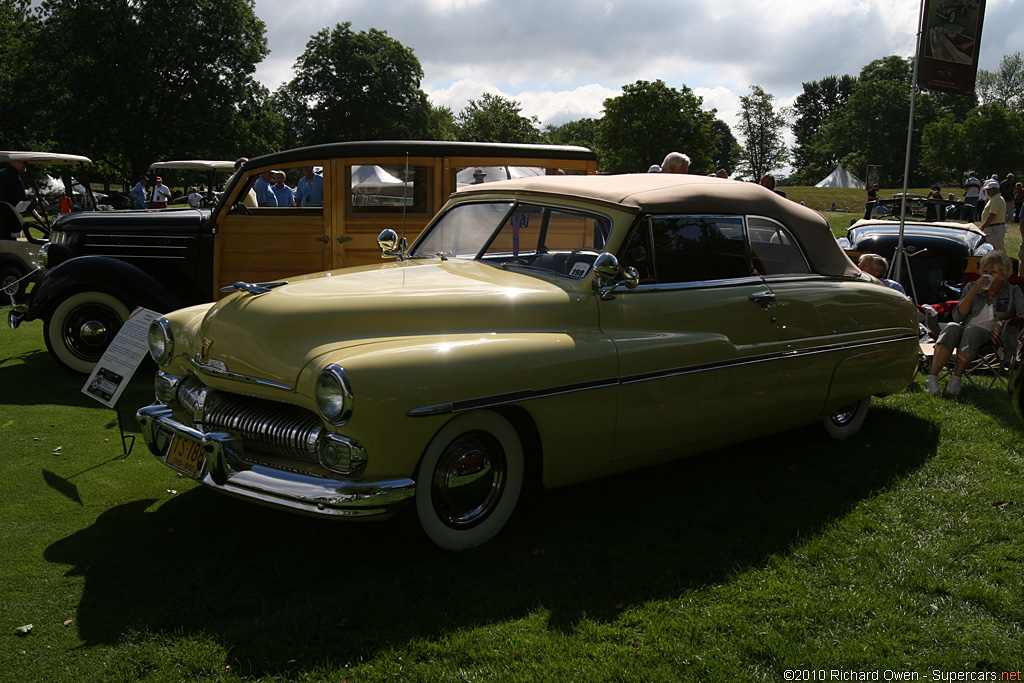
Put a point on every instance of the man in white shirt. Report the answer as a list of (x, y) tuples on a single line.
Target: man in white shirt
[(161, 195)]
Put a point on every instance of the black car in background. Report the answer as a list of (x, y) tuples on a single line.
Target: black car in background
[(937, 253)]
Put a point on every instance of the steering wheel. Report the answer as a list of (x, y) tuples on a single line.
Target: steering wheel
[(240, 208)]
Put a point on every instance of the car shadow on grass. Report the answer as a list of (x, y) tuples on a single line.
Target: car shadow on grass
[(284, 592)]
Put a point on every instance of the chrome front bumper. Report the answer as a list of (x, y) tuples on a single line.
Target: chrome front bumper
[(225, 468)]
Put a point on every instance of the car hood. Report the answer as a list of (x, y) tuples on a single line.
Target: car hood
[(274, 335), (167, 221)]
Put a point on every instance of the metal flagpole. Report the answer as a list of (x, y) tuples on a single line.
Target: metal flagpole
[(910, 138)]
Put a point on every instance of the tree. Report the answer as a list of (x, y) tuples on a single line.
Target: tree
[(995, 138), (19, 81), (494, 118), (355, 86), (727, 149), (872, 127), (581, 132), (649, 120), (761, 127), (1005, 85), (813, 158), (175, 89)]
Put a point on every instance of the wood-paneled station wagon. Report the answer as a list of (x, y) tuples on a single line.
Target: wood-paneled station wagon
[(101, 265), (562, 328)]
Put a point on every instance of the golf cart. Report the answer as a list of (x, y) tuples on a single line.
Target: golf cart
[(21, 240), (211, 168)]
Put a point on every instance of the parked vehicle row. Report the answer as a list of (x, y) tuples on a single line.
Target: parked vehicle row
[(100, 265)]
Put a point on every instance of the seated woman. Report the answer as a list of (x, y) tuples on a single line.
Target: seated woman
[(984, 306)]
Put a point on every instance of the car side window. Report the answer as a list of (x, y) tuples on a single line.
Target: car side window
[(671, 249), (773, 249)]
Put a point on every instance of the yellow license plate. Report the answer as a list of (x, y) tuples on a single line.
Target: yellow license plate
[(187, 456)]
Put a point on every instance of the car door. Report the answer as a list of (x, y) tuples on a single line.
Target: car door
[(697, 339)]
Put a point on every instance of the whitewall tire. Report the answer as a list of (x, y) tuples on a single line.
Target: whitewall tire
[(469, 480)]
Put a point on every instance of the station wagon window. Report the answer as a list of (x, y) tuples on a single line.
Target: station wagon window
[(773, 249), (553, 239), (475, 175), (669, 249), (389, 189)]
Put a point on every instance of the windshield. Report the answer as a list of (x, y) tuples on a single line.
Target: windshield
[(518, 234)]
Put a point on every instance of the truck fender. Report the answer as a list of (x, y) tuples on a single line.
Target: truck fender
[(127, 283)]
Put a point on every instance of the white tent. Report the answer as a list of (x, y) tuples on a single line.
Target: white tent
[(841, 178)]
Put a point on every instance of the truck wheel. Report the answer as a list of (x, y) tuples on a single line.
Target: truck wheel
[(469, 480), (845, 422), (81, 327), (9, 277)]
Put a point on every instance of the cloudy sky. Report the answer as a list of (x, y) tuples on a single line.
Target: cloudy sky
[(560, 59)]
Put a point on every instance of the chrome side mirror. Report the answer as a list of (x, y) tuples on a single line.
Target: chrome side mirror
[(390, 245), (611, 276)]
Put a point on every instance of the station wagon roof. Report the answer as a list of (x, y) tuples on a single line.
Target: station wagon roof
[(671, 193), (420, 148)]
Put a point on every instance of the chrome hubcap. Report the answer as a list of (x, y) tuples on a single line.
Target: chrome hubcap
[(468, 480)]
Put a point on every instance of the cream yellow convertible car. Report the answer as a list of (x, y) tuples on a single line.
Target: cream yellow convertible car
[(557, 328)]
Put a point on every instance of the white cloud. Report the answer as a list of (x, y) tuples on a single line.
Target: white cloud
[(560, 60)]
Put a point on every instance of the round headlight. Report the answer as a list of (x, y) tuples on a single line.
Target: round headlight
[(334, 395), (161, 341)]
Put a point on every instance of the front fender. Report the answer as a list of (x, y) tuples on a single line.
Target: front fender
[(406, 390), (98, 274)]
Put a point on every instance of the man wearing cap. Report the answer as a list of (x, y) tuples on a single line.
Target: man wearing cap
[(264, 194), (12, 189), (993, 216), (161, 195)]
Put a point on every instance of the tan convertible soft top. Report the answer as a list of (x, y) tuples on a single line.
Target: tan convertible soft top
[(670, 193)]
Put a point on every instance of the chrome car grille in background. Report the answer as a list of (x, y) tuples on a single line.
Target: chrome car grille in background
[(266, 426)]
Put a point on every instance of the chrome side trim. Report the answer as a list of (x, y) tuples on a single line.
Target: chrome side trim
[(511, 397), (214, 369), (531, 394)]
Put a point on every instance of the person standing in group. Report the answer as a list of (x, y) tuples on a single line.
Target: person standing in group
[(138, 193), (1018, 200), (675, 162), (264, 195), (310, 190), (12, 188), (993, 216), (161, 195), (972, 192), (194, 198), (284, 194), (1006, 191)]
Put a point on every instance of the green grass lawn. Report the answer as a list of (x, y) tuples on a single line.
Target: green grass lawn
[(898, 550)]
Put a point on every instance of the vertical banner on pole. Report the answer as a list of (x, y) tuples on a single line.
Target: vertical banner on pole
[(949, 45)]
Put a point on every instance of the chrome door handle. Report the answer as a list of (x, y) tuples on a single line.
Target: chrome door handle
[(343, 239), (763, 299), (325, 239)]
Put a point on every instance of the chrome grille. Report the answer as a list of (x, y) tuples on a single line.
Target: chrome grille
[(266, 426)]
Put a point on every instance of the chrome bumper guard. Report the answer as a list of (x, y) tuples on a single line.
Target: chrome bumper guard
[(16, 316), (226, 469)]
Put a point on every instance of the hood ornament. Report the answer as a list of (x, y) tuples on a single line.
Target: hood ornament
[(254, 289)]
